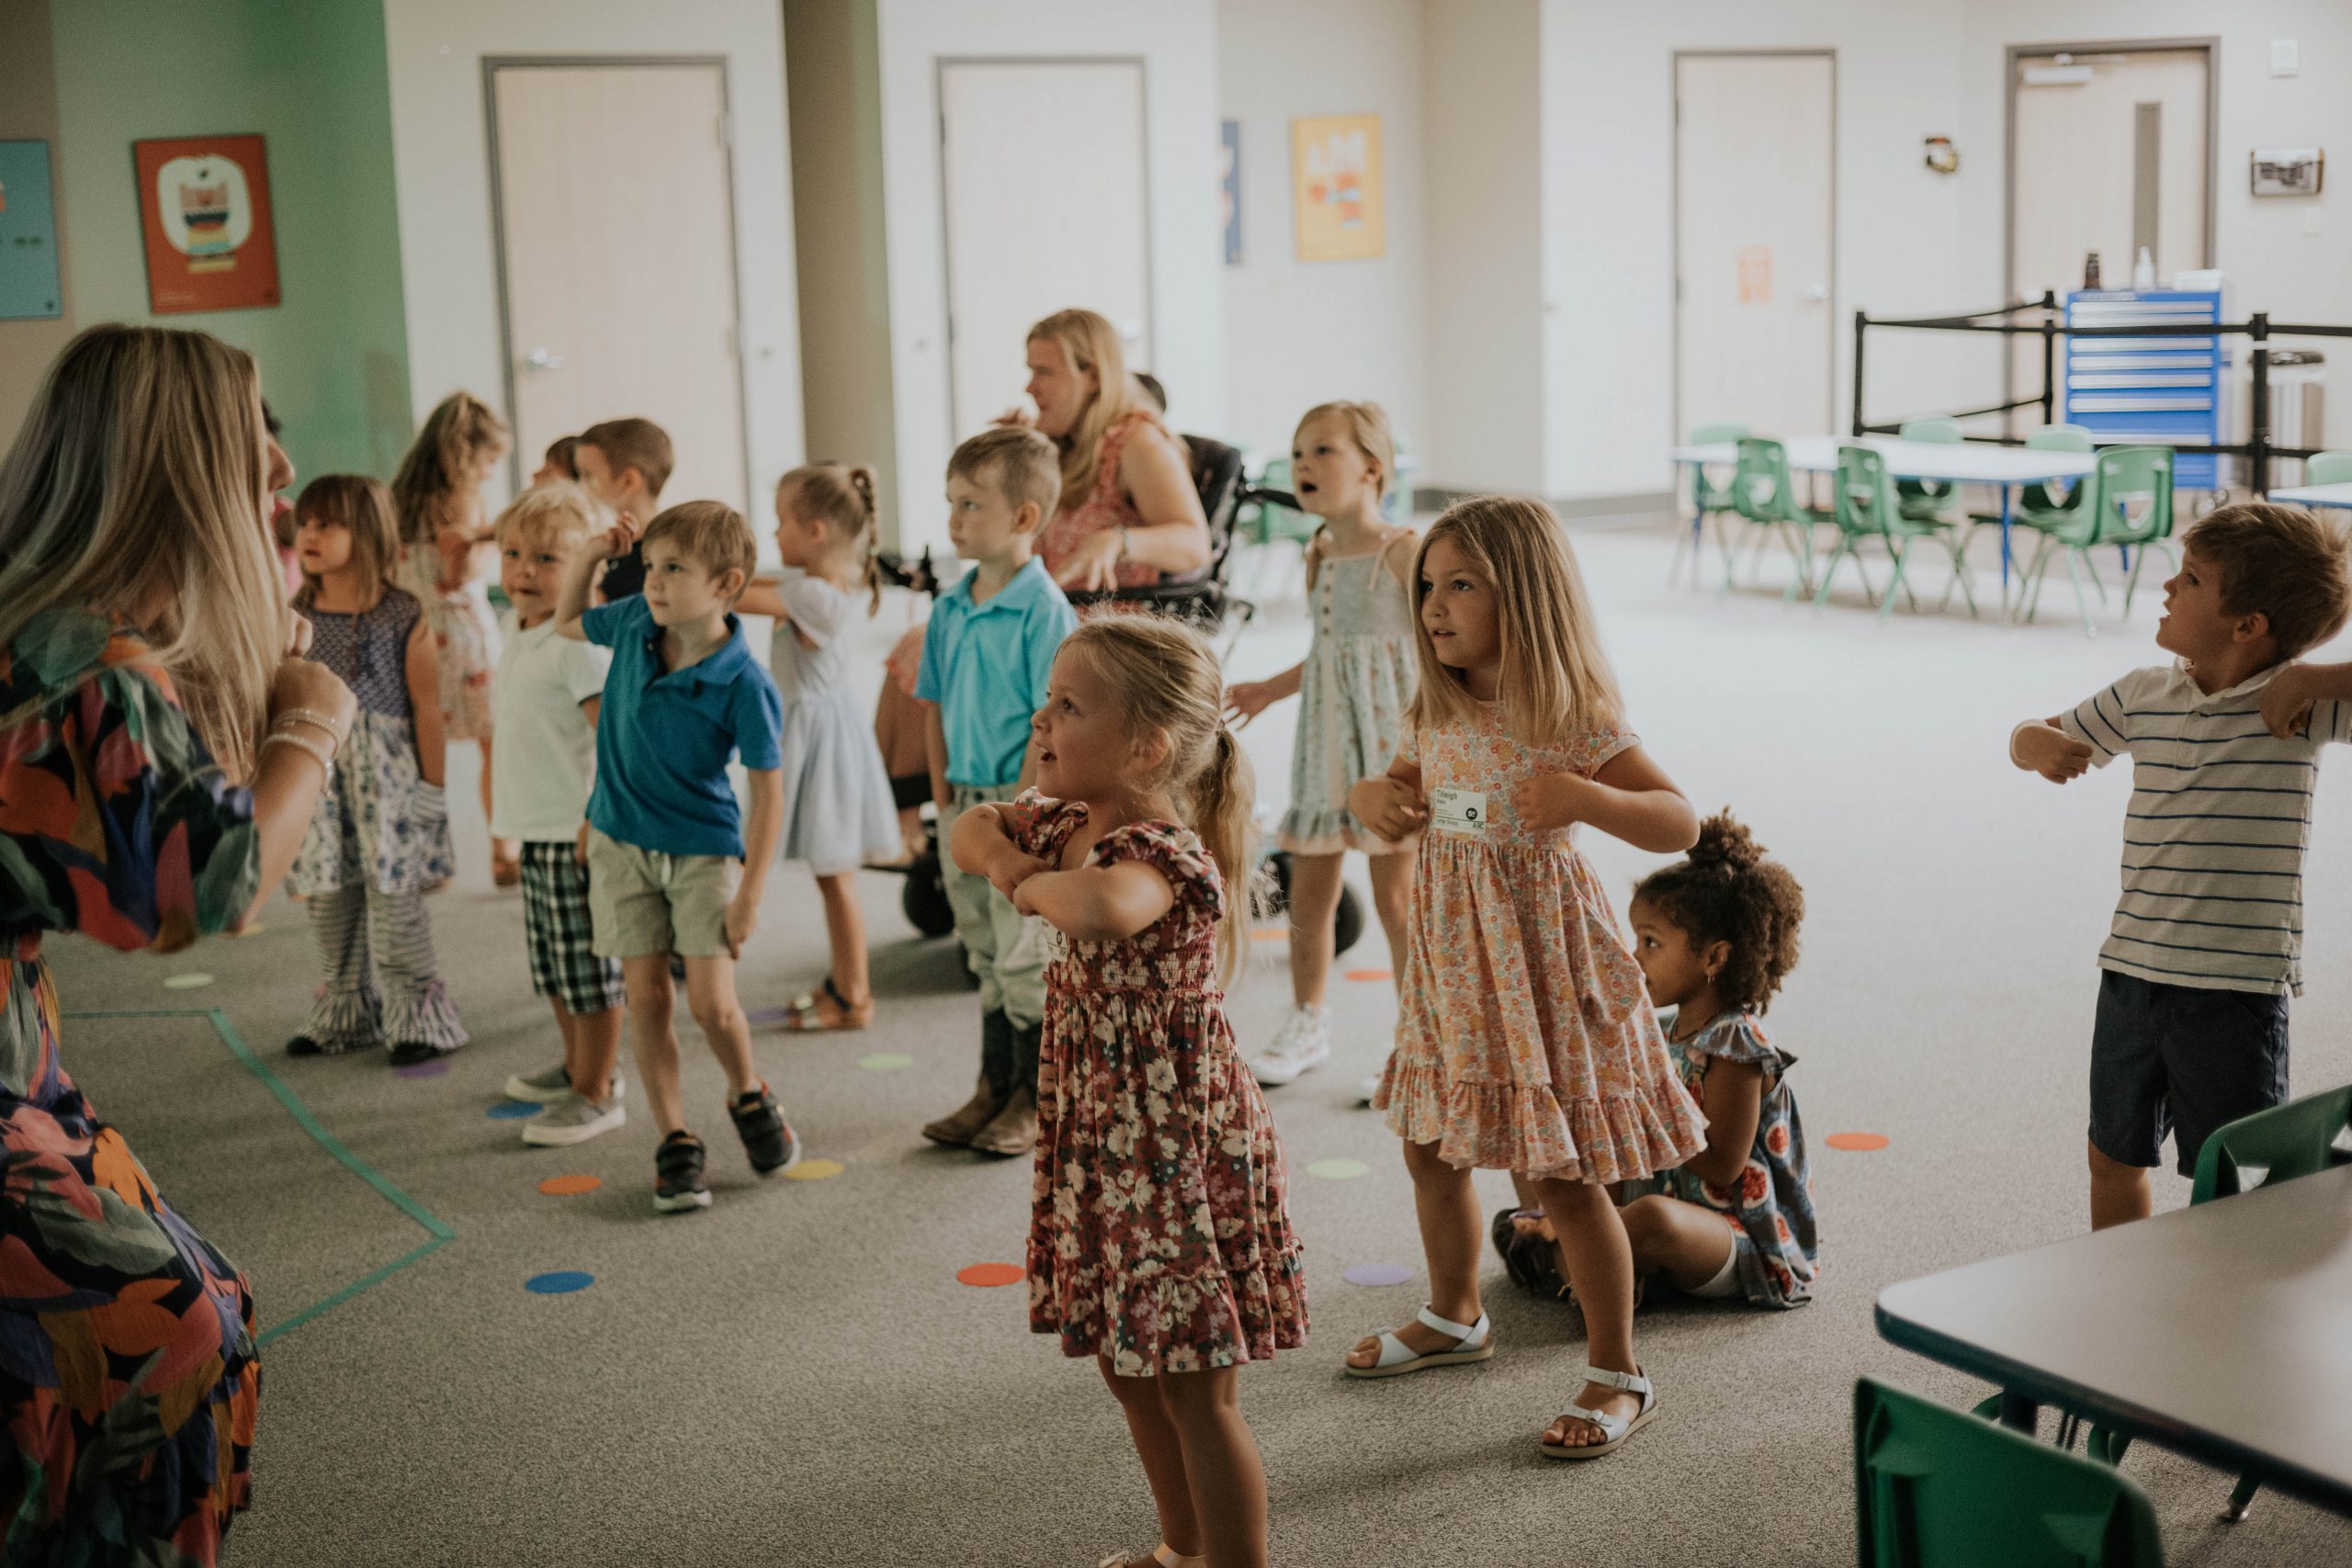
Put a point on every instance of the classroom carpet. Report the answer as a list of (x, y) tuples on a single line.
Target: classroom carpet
[(465, 1369)]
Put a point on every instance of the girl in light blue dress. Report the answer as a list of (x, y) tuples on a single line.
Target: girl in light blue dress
[(837, 809)]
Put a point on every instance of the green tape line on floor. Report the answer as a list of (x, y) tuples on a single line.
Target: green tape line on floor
[(440, 1233)]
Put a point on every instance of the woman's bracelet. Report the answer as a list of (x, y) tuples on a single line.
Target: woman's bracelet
[(1126, 546), (300, 743), (312, 718)]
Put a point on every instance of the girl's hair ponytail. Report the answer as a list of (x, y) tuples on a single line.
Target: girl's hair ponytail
[(843, 496), (1222, 815)]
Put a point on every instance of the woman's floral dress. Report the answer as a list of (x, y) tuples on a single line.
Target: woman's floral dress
[(1774, 1243), (1106, 506), (1524, 1035), (1158, 1238), (127, 1365)]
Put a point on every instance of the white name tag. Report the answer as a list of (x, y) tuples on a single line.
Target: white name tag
[(1459, 811)]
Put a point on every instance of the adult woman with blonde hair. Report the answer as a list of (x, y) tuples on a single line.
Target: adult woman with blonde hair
[(161, 747), (1129, 514)]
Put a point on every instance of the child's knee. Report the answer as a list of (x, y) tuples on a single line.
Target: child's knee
[(1644, 1219), (719, 1014)]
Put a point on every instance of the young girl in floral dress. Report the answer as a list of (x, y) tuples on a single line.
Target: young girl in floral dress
[(1524, 1041), (1159, 1243)]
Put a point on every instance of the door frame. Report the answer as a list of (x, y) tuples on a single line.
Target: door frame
[(2211, 46), (939, 152), (494, 63), (1674, 189)]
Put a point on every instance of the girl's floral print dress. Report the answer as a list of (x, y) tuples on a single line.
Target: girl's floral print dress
[(127, 1367), (1524, 1035), (1158, 1238), (1774, 1239)]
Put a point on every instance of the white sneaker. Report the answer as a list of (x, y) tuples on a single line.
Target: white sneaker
[(549, 1086), (1304, 1041), (1368, 1090), (574, 1118)]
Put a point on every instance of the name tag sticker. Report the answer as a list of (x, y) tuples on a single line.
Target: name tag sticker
[(1459, 811)]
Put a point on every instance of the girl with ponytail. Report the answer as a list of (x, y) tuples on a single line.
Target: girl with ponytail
[(837, 809), (1159, 1243)]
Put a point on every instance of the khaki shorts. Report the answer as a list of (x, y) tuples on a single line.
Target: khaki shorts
[(642, 902)]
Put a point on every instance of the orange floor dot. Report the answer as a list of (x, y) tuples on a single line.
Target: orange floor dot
[(568, 1186), (1370, 974), (986, 1274), (1269, 933), (1856, 1141)]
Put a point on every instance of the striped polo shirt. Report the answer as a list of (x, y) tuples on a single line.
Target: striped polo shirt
[(2214, 845)]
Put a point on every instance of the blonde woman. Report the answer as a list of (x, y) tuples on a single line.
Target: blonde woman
[(1129, 514), (161, 751)]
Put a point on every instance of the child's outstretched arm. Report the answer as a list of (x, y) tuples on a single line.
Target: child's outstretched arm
[(1097, 903), (572, 601), (1245, 699), (1629, 798), (424, 669), (2040, 746), (1392, 804), (2287, 700), (760, 598)]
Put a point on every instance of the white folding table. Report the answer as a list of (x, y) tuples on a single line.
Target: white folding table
[(2316, 495)]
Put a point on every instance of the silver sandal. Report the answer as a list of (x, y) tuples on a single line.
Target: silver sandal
[(1614, 1429)]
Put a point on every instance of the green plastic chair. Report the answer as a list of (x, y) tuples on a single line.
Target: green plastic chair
[(1937, 1488), (1707, 500), (2045, 503), (2327, 468), (1922, 500), (2126, 477), (1766, 499), (1263, 523), (1867, 508)]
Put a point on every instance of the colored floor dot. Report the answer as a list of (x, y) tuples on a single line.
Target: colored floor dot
[(886, 1062), (560, 1282), (1371, 974), (1337, 1169), (185, 982), (765, 1017), (513, 1109), (1858, 1142), (569, 1186), (815, 1171), (1269, 933), (432, 1070), (990, 1274), (253, 930), (1376, 1274)]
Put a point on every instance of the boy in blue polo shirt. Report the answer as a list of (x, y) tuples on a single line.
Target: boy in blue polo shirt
[(670, 869), (986, 658)]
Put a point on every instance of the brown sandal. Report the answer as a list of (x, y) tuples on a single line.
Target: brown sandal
[(804, 1017)]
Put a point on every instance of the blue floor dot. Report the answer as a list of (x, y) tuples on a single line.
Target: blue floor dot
[(513, 1109), (563, 1282)]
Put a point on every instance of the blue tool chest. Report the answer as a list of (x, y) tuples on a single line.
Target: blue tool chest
[(2151, 390)]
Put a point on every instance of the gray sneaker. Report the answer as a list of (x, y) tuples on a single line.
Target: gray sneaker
[(574, 1118), (549, 1087)]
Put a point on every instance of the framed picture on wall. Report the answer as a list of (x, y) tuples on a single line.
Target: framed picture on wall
[(28, 290), (204, 210), (1335, 172)]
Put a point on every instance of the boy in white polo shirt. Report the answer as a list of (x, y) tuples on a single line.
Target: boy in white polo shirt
[(2206, 945), (547, 695)]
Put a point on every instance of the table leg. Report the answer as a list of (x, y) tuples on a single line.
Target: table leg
[(2006, 490), (2019, 1413)]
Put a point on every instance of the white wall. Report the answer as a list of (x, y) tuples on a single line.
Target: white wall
[(448, 251), (1177, 41), (1298, 333)]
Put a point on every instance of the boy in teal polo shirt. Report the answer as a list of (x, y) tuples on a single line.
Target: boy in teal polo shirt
[(670, 869), (985, 659)]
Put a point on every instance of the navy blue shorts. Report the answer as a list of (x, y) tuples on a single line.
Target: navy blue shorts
[(2180, 1059)]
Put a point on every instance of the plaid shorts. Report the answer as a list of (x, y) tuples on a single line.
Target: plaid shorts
[(555, 923)]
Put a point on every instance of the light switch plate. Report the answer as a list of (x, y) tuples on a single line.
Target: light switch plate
[(2312, 224), (2286, 57)]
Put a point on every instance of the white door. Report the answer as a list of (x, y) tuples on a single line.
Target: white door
[(608, 315), (1044, 185), (1755, 169)]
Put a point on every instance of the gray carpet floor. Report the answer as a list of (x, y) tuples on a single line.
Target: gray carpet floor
[(797, 1376)]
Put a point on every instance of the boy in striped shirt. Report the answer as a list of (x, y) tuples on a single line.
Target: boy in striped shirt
[(2206, 946)]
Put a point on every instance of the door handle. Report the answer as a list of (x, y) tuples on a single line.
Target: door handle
[(540, 359)]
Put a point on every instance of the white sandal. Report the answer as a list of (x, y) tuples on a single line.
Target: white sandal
[(1614, 1429), (1164, 1554), (1472, 1342)]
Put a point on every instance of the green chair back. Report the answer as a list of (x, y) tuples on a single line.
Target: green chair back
[(1865, 499), (1924, 501), (2046, 503), (1266, 521), (2298, 1138), (1943, 432), (1705, 494), (2059, 438), (1761, 490), (2327, 468), (1938, 1488), (2127, 499)]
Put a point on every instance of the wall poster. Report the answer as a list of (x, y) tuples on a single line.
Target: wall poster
[(204, 209), (1335, 170)]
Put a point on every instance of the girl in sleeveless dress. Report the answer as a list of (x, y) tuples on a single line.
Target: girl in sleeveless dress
[(1353, 688), (1158, 1241), (380, 837)]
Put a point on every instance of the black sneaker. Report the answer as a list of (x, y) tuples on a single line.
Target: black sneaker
[(303, 1046), (677, 1175), (767, 1137), (409, 1052)]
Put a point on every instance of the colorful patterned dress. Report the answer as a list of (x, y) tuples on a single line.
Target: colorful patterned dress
[(127, 1362), (1524, 1035), (462, 635), (1774, 1243), (1158, 1237), (1359, 679), (1106, 506)]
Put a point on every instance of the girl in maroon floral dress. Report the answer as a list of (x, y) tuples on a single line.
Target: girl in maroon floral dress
[(1157, 1242)]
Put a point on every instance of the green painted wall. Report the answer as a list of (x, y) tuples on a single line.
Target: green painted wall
[(310, 76)]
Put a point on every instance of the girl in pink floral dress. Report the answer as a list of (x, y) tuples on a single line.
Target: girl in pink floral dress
[(1157, 1243), (1525, 1039)]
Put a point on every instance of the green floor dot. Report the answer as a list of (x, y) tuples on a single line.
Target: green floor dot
[(1337, 1169), (185, 982), (885, 1062)]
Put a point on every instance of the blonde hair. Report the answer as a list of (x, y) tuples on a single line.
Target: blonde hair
[(556, 510), (1164, 676), (1022, 464), (844, 497), (460, 432), (711, 534), (1090, 342), (1367, 427), (1556, 683), (137, 478), (363, 507)]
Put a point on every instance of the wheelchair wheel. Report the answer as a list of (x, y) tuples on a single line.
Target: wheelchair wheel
[(924, 899), (1347, 926)]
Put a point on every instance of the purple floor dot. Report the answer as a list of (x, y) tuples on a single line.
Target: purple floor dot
[(513, 1109), (1378, 1274), (563, 1282), (432, 1070), (763, 1017)]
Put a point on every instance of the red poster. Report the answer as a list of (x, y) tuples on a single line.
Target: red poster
[(204, 208)]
